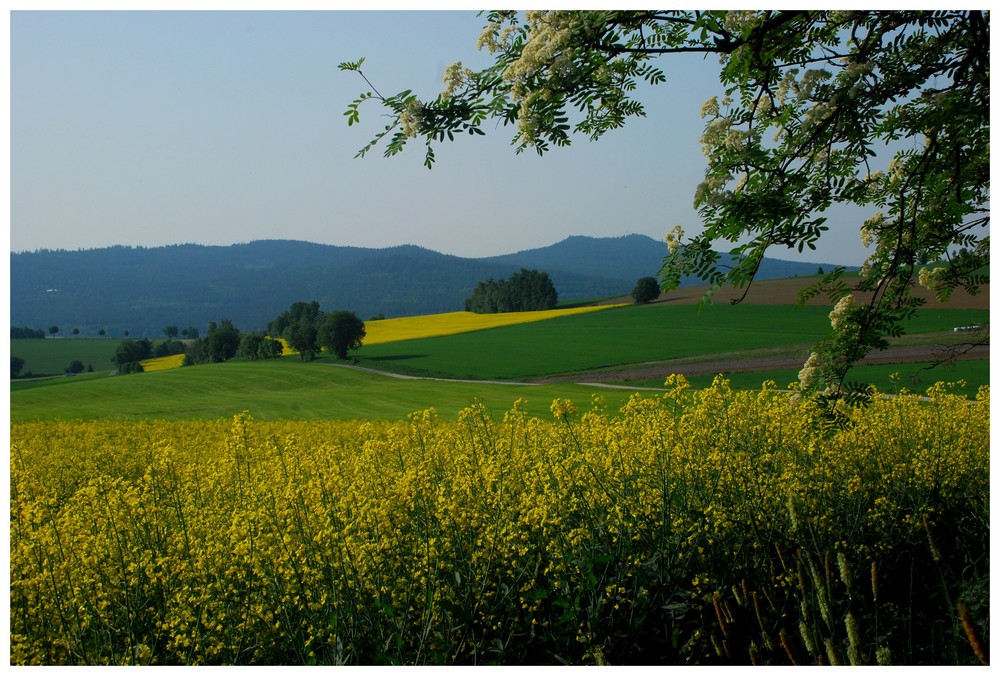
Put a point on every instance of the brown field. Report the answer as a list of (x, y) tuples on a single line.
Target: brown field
[(785, 292)]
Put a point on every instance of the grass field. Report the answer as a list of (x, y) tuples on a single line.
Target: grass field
[(51, 356), (622, 336), (284, 389)]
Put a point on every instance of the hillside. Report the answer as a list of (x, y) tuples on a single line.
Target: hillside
[(144, 289)]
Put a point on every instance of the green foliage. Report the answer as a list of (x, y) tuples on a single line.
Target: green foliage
[(17, 333), (129, 353), (75, 366), (218, 345), (523, 291), (16, 364), (340, 331), (165, 348), (816, 102), (646, 290), (254, 346)]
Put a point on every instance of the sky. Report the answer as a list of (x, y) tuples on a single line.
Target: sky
[(149, 128)]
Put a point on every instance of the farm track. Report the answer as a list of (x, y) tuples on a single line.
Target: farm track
[(619, 378)]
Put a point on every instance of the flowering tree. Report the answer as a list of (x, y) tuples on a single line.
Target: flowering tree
[(886, 110)]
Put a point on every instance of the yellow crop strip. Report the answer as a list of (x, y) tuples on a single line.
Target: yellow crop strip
[(662, 533), (449, 323), (162, 363)]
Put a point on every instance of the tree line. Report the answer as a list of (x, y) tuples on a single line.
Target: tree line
[(523, 291)]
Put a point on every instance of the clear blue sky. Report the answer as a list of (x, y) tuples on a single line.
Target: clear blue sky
[(152, 128)]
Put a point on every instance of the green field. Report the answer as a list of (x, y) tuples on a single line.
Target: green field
[(285, 389), (291, 389), (51, 356), (623, 336)]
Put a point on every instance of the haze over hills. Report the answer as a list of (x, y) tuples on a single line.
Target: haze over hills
[(144, 289)]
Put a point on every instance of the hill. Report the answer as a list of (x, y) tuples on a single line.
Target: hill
[(144, 289)]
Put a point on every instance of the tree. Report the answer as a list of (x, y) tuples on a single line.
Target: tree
[(171, 331), (53, 330), (255, 346), (101, 333), (128, 354), (303, 337), (647, 289), (886, 110), (299, 311), (218, 345), (76, 332), (191, 333), (75, 366), (16, 364), (340, 331)]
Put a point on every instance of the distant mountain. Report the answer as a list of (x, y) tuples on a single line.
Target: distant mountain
[(144, 289)]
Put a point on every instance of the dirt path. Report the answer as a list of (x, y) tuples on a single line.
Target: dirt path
[(893, 355), (660, 370)]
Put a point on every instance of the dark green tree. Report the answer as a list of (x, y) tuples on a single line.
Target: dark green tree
[(885, 110), (171, 331), (340, 331), (128, 354), (254, 346), (75, 366), (303, 337), (16, 364), (646, 290), (218, 345), (299, 311), (53, 330)]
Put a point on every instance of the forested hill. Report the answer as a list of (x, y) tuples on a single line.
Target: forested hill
[(144, 289)]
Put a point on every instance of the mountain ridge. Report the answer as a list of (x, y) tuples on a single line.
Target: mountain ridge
[(143, 289)]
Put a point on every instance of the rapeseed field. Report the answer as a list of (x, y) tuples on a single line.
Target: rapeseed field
[(705, 527), (449, 323), (163, 363)]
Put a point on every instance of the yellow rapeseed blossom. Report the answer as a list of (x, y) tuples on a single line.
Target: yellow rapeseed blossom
[(430, 541), (162, 363)]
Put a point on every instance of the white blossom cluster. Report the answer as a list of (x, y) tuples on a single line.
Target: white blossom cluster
[(932, 279), (810, 372), (454, 77), (410, 118), (841, 312), (673, 238)]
